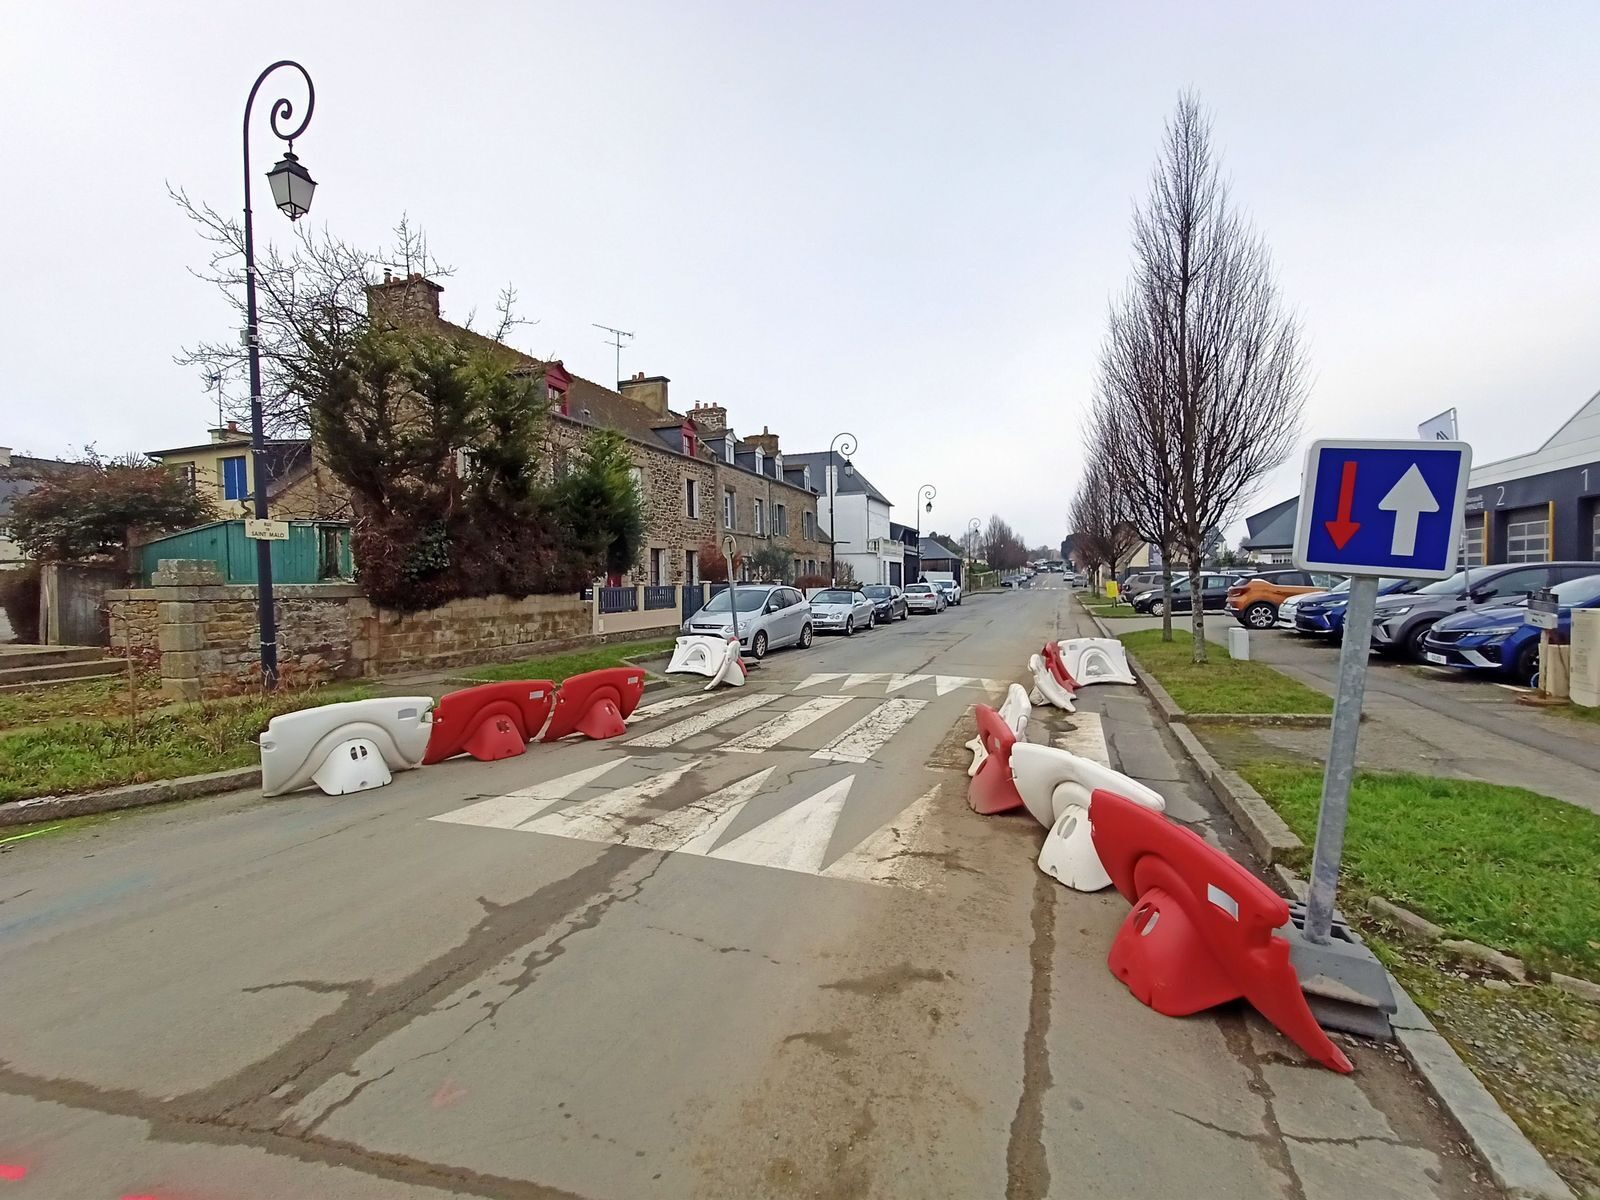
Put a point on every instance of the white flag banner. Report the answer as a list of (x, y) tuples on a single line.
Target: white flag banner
[(1441, 428)]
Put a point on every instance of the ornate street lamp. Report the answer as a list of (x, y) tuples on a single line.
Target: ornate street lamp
[(925, 495), (973, 526), (847, 443), (292, 188)]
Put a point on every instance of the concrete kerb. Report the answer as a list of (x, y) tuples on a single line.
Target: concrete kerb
[(1513, 1161), (134, 795)]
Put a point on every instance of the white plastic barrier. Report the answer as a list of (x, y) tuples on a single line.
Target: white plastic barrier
[(1045, 688), (346, 747), (1015, 712), (730, 670), (1095, 660), (697, 654), (1055, 785)]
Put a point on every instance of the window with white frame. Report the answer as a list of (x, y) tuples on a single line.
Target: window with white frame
[(1528, 535), (780, 520), (810, 524), (728, 510), (658, 566), (637, 475), (691, 567), (760, 516), (691, 499)]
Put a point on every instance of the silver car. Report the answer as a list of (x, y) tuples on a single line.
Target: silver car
[(924, 597), (839, 610), (770, 616)]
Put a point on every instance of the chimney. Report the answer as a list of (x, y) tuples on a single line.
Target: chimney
[(709, 419), (766, 440), (406, 301), (650, 391)]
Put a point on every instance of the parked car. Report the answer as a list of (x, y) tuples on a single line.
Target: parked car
[(888, 601), (840, 610), (1400, 623), (949, 589), (1079, 579), (1133, 583), (1323, 612), (1254, 601), (1500, 638), (770, 616), (924, 597), (1213, 595)]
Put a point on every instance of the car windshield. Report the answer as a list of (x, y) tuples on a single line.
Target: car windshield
[(750, 600), (1578, 593), (834, 596), (921, 589), (878, 592), (1454, 586)]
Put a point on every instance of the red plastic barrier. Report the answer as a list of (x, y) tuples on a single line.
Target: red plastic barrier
[(1200, 933), (1058, 667), (991, 789), (489, 722), (596, 703)]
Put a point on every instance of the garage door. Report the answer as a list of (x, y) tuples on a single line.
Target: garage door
[(1528, 535)]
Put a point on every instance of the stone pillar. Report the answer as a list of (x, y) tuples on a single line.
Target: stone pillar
[(180, 634)]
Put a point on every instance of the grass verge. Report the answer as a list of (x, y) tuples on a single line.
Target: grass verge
[(1221, 684), (1575, 712), (90, 754), (82, 698), (1499, 865), (557, 667)]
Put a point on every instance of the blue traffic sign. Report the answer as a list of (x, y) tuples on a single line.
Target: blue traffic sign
[(1383, 508)]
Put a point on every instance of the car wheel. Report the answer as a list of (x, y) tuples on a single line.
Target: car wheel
[(1527, 669), (1260, 615), (805, 636), (758, 645), (1157, 608), (849, 627), (1414, 647), (872, 619)]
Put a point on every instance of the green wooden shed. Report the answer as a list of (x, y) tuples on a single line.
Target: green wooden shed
[(315, 552)]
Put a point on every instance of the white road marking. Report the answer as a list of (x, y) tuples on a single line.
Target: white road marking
[(512, 809), (695, 828), (602, 820), (813, 680), (797, 838), (867, 736), (945, 684), (785, 725), (896, 682), (889, 857), (1087, 740), (669, 705), (996, 685), (679, 731), (864, 677)]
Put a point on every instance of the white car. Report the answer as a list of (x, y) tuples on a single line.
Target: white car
[(1286, 612), (924, 597), (839, 610)]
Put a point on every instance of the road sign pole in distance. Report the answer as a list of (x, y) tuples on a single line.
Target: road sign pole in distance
[(1369, 509)]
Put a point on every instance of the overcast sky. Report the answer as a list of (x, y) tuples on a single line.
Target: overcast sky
[(900, 220)]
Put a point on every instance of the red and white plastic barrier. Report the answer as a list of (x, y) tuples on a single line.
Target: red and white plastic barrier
[(1095, 660), (1055, 786), (707, 654), (347, 747)]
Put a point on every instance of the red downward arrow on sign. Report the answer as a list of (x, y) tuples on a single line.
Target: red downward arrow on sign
[(1341, 529)]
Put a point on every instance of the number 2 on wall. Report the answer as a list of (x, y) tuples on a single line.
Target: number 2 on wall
[(1499, 496)]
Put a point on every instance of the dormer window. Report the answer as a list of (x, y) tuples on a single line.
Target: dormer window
[(777, 466), (761, 468), (690, 440), (727, 443), (805, 474)]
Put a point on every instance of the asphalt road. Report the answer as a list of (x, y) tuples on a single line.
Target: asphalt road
[(759, 950)]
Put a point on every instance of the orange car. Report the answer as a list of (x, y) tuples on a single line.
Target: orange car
[(1254, 601)]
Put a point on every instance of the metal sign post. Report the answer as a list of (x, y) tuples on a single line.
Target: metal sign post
[(729, 546), (1369, 509)]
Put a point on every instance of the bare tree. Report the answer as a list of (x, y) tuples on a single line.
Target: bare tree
[(1100, 514), (1229, 358)]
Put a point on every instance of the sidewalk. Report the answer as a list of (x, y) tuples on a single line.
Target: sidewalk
[(1256, 1120), (1430, 722)]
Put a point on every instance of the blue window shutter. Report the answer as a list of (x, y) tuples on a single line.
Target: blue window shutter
[(233, 479)]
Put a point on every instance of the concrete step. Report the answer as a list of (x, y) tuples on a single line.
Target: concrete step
[(63, 672), (44, 656)]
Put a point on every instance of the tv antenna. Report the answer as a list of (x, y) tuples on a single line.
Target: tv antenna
[(615, 340)]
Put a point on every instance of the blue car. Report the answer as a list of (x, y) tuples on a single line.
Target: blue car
[(1323, 612), (1499, 638)]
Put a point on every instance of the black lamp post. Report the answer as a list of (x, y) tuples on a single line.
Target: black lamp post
[(847, 443), (925, 495), (973, 526), (292, 187)]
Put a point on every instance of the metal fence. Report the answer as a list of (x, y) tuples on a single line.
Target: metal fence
[(619, 599), (663, 595)]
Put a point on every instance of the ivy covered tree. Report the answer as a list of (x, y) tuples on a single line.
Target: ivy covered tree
[(98, 506), (599, 505)]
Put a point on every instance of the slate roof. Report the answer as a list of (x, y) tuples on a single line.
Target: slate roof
[(1273, 528), (845, 485), (23, 475), (930, 550)]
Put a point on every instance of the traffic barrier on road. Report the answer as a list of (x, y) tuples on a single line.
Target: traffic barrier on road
[(1055, 786), (732, 671), (1058, 667), (491, 721), (697, 654), (347, 747), (1014, 713), (991, 790), (1201, 929), (596, 704), (1095, 660), (1046, 690)]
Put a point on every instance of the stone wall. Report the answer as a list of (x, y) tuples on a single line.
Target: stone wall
[(204, 632)]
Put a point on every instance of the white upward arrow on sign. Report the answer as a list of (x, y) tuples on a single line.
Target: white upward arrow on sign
[(1407, 500)]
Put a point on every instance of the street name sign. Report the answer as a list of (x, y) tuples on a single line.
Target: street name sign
[(1383, 508), (266, 531), (1544, 611)]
